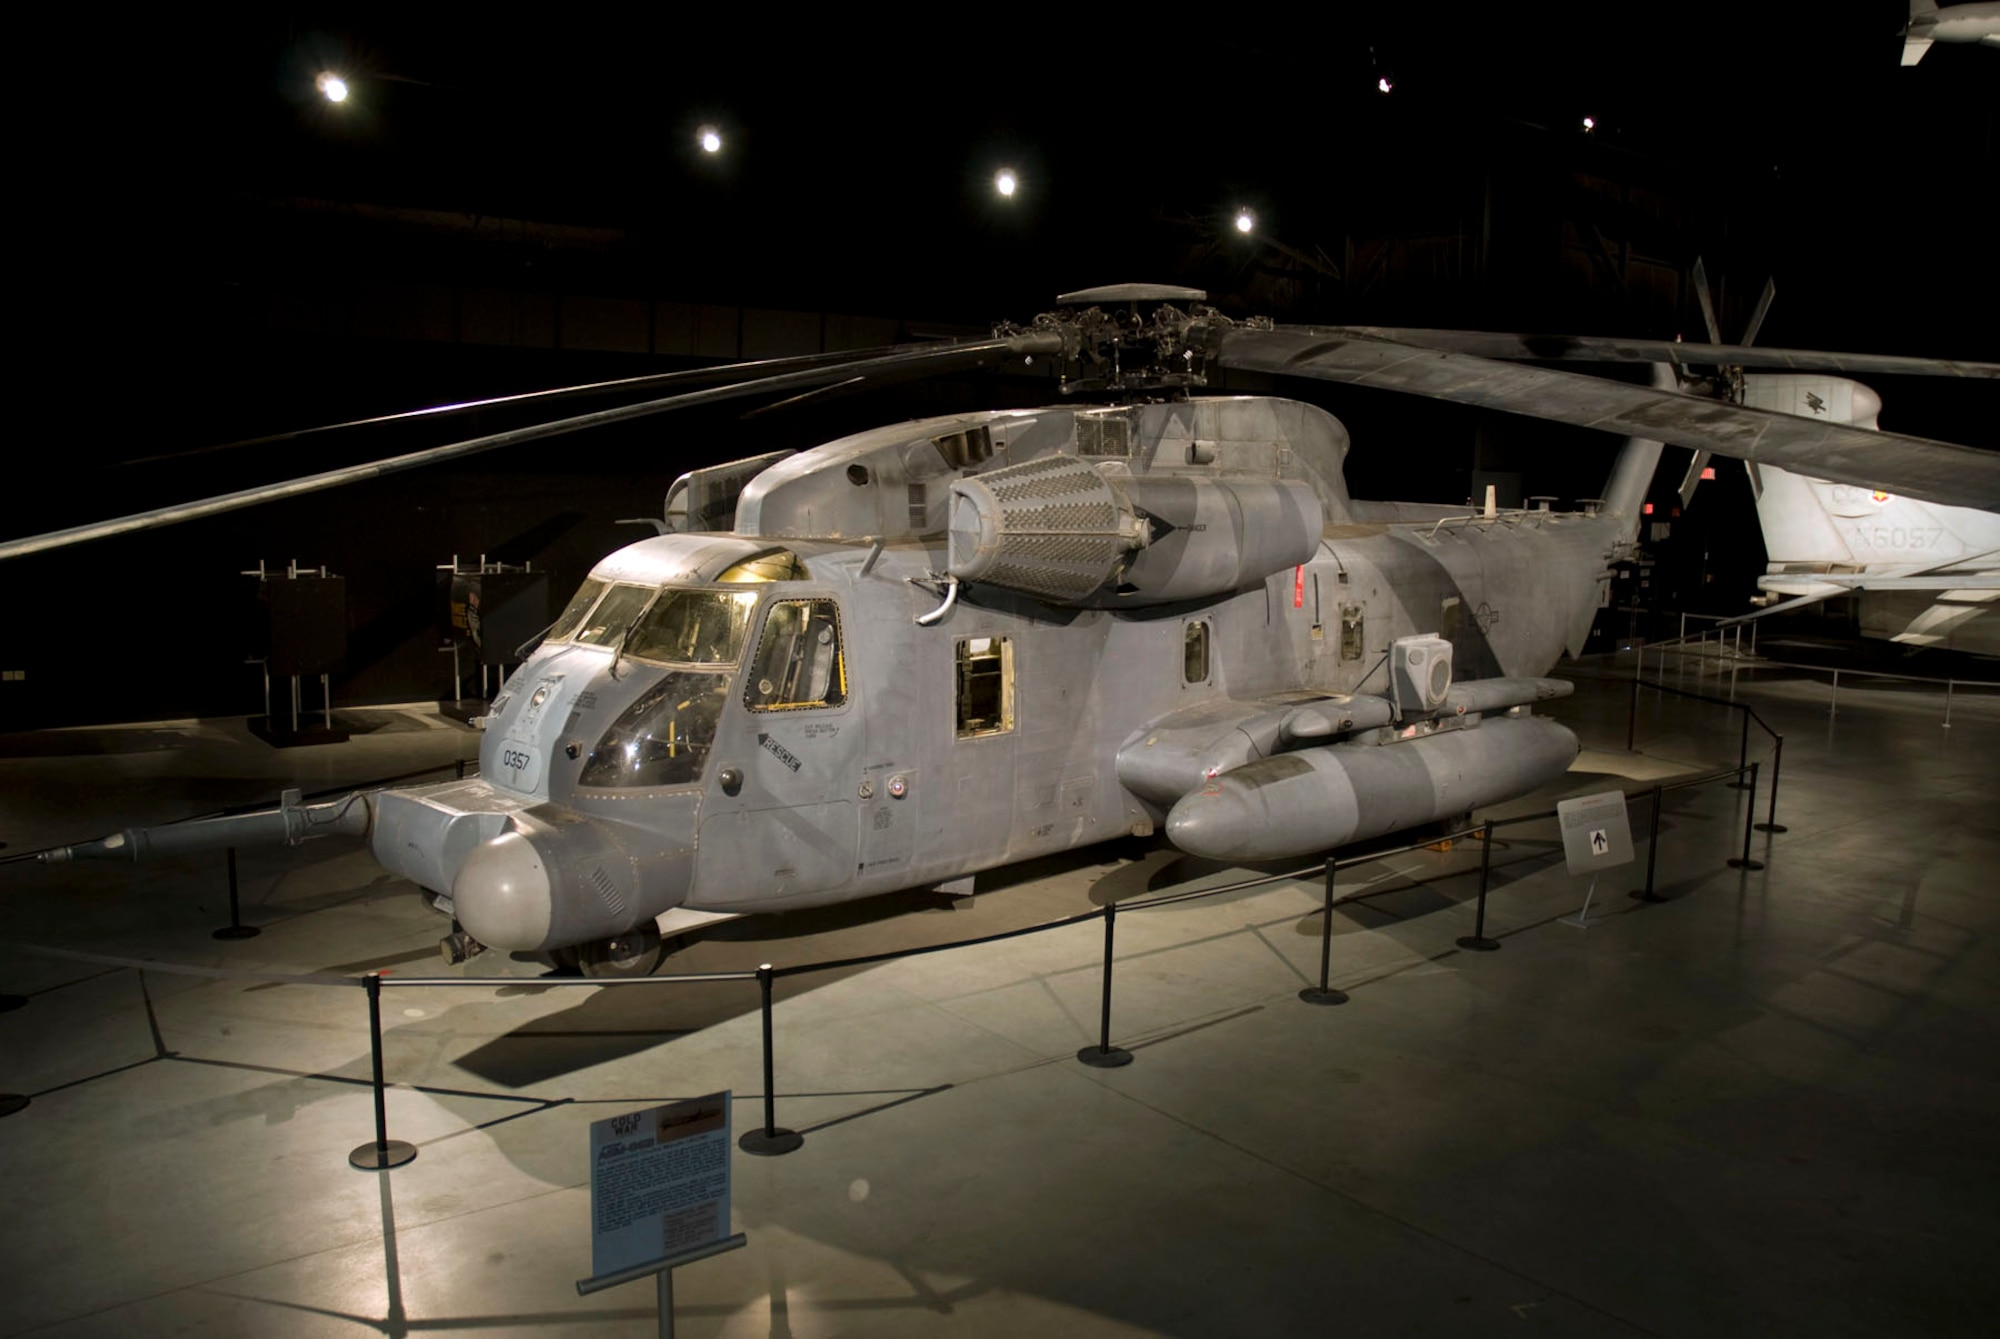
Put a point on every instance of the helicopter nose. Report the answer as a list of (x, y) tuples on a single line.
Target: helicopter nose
[(501, 894)]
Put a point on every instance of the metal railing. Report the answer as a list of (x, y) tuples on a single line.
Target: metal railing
[(1730, 649)]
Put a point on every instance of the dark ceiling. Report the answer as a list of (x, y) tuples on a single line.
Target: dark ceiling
[(184, 182)]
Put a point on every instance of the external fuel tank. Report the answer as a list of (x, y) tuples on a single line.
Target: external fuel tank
[(1315, 799)]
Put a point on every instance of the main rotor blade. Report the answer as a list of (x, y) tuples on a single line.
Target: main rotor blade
[(1604, 349), (694, 376), (935, 360), (1933, 471)]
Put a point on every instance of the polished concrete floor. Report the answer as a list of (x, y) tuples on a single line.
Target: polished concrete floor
[(1769, 1104)]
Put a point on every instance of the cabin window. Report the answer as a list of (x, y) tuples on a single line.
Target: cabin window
[(1103, 435), (798, 662), (664, 738), (614, 613), (1194, 653), (579, 605), (697, 627), (985, 686), (1350, 631)]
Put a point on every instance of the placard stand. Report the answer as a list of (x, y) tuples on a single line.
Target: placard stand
[(663, 1270), (1582, 918)]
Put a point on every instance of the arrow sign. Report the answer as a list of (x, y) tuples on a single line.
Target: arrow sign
[(1595, 832)]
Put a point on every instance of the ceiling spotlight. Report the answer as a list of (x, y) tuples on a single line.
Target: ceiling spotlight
[(1589, 124), (1245, 220), (1004, 181), (1383, 84), (711, 139), (331, 86)]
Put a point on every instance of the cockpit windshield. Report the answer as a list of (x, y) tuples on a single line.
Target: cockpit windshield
[(579, 605), (694, 627), (613, 614)]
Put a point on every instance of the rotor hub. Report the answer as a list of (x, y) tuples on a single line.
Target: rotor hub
[(1134, 341)]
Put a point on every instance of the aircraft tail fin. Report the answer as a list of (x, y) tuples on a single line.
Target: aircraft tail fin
[(1923, 17), (1811, 525)]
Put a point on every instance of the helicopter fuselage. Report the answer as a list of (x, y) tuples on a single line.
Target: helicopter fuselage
[(757, 721)]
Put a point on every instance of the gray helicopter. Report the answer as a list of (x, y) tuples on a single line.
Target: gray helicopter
[(934, 648)]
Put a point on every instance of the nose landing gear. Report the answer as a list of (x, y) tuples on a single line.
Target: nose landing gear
[(458, 946)]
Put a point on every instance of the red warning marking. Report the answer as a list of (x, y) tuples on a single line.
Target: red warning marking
[(1299, 586)]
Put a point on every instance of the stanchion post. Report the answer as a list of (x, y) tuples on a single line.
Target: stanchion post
[(1833, 699), (1632, 714), (1104, 1055), (1477, 940), (1947, 705), (1749, 813), (236, 929), (773, 1140), (1324, 993), (1771, 823), (1647, 894), (12, 1102), (1742, 751), (384, 1152)]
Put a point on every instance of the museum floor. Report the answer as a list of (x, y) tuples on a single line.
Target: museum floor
[(1770, 1104)]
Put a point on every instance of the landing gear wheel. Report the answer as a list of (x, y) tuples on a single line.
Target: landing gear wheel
[(637, 952)]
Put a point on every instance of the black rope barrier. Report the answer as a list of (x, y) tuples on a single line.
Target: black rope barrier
[(1771, 823), (1749, 813), (1647, 894), (1324, 993), (1477, 941), (236, 929), (773, 1140), (1750, 714), (1104, 1055), (383, 1153)]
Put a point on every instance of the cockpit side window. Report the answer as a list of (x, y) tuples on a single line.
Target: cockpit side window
[(613, 614), (798, 663), (579, 605)]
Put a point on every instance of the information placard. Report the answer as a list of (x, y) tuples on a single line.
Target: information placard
[(1595, 831), (659, 1182)]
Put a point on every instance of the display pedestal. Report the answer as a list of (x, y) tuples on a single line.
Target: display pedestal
[(281, 735), (463, 709)]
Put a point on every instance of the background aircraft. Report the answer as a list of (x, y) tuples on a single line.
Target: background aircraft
[(1950, 23), (1925, 573)]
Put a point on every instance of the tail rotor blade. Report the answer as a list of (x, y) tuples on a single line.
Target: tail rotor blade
[(1707, 305), (1763, 309), (1693, 479)]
